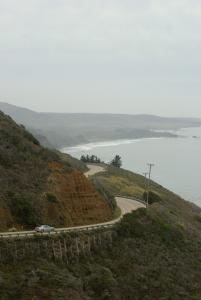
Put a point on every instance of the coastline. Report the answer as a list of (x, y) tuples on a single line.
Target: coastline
[(177, 133), (171, 157), (115, 142)]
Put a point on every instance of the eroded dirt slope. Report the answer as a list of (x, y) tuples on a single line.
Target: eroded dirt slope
[(37, 186)]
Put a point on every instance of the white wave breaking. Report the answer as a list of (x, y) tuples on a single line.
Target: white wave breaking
[(113, 143)]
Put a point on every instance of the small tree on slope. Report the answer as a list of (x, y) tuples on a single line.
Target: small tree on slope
[(116, 162)]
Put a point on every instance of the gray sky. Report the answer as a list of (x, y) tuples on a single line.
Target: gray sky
[(137, 56)]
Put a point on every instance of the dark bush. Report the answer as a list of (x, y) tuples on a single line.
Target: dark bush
[(51, 198), (22, 208), (153, 197), (101, 281), (90, 159)]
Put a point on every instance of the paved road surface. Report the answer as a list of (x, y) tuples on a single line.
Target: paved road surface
[(93, 169), (126, 205)]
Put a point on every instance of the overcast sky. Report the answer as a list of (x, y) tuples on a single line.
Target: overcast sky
[(128, 56)]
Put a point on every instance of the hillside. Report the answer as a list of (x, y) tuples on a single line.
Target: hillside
[(155, 255), (39, 186), (149, 260), (165, 203), (67, 129)]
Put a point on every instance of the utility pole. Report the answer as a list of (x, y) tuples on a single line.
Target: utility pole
[(145, 183), (150, 165), (145, 180)]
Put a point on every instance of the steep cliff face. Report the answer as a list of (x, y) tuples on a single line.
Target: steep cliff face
[(71, 199), (36, 186)]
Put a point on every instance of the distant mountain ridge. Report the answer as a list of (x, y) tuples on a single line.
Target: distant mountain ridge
[(68, 129)]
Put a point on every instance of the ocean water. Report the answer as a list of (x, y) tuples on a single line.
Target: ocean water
[(177, 160)]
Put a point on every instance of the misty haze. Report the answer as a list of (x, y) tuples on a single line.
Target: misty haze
[(100, 145)]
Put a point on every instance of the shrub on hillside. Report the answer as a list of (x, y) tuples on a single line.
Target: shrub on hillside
[(140, 224), (22, 208), (153, 197), (101, 282), (116, 162), (51, 198)]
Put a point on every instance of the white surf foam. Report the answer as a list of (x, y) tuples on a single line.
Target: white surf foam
[(90, 146)]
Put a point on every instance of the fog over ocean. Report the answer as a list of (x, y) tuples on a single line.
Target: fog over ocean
[(177, 160)]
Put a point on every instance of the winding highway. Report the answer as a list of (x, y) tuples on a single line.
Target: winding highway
[(126, 205)]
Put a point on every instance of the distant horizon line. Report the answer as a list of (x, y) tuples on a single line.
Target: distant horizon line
[(98, 113)]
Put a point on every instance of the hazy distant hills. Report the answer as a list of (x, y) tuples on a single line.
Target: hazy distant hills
[(68, 129)]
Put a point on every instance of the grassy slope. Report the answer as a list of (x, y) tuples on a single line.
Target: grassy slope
[(171, 207)]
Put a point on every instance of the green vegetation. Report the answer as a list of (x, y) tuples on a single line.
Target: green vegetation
[(155, 252), (22, 207), (35, 182), (121, 182), (24, 172), (51, 198), (73, 162), (108, 196), (174, 209), (90, 159), (116, 161), (117, 213), (153, 197), (151, 258)]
